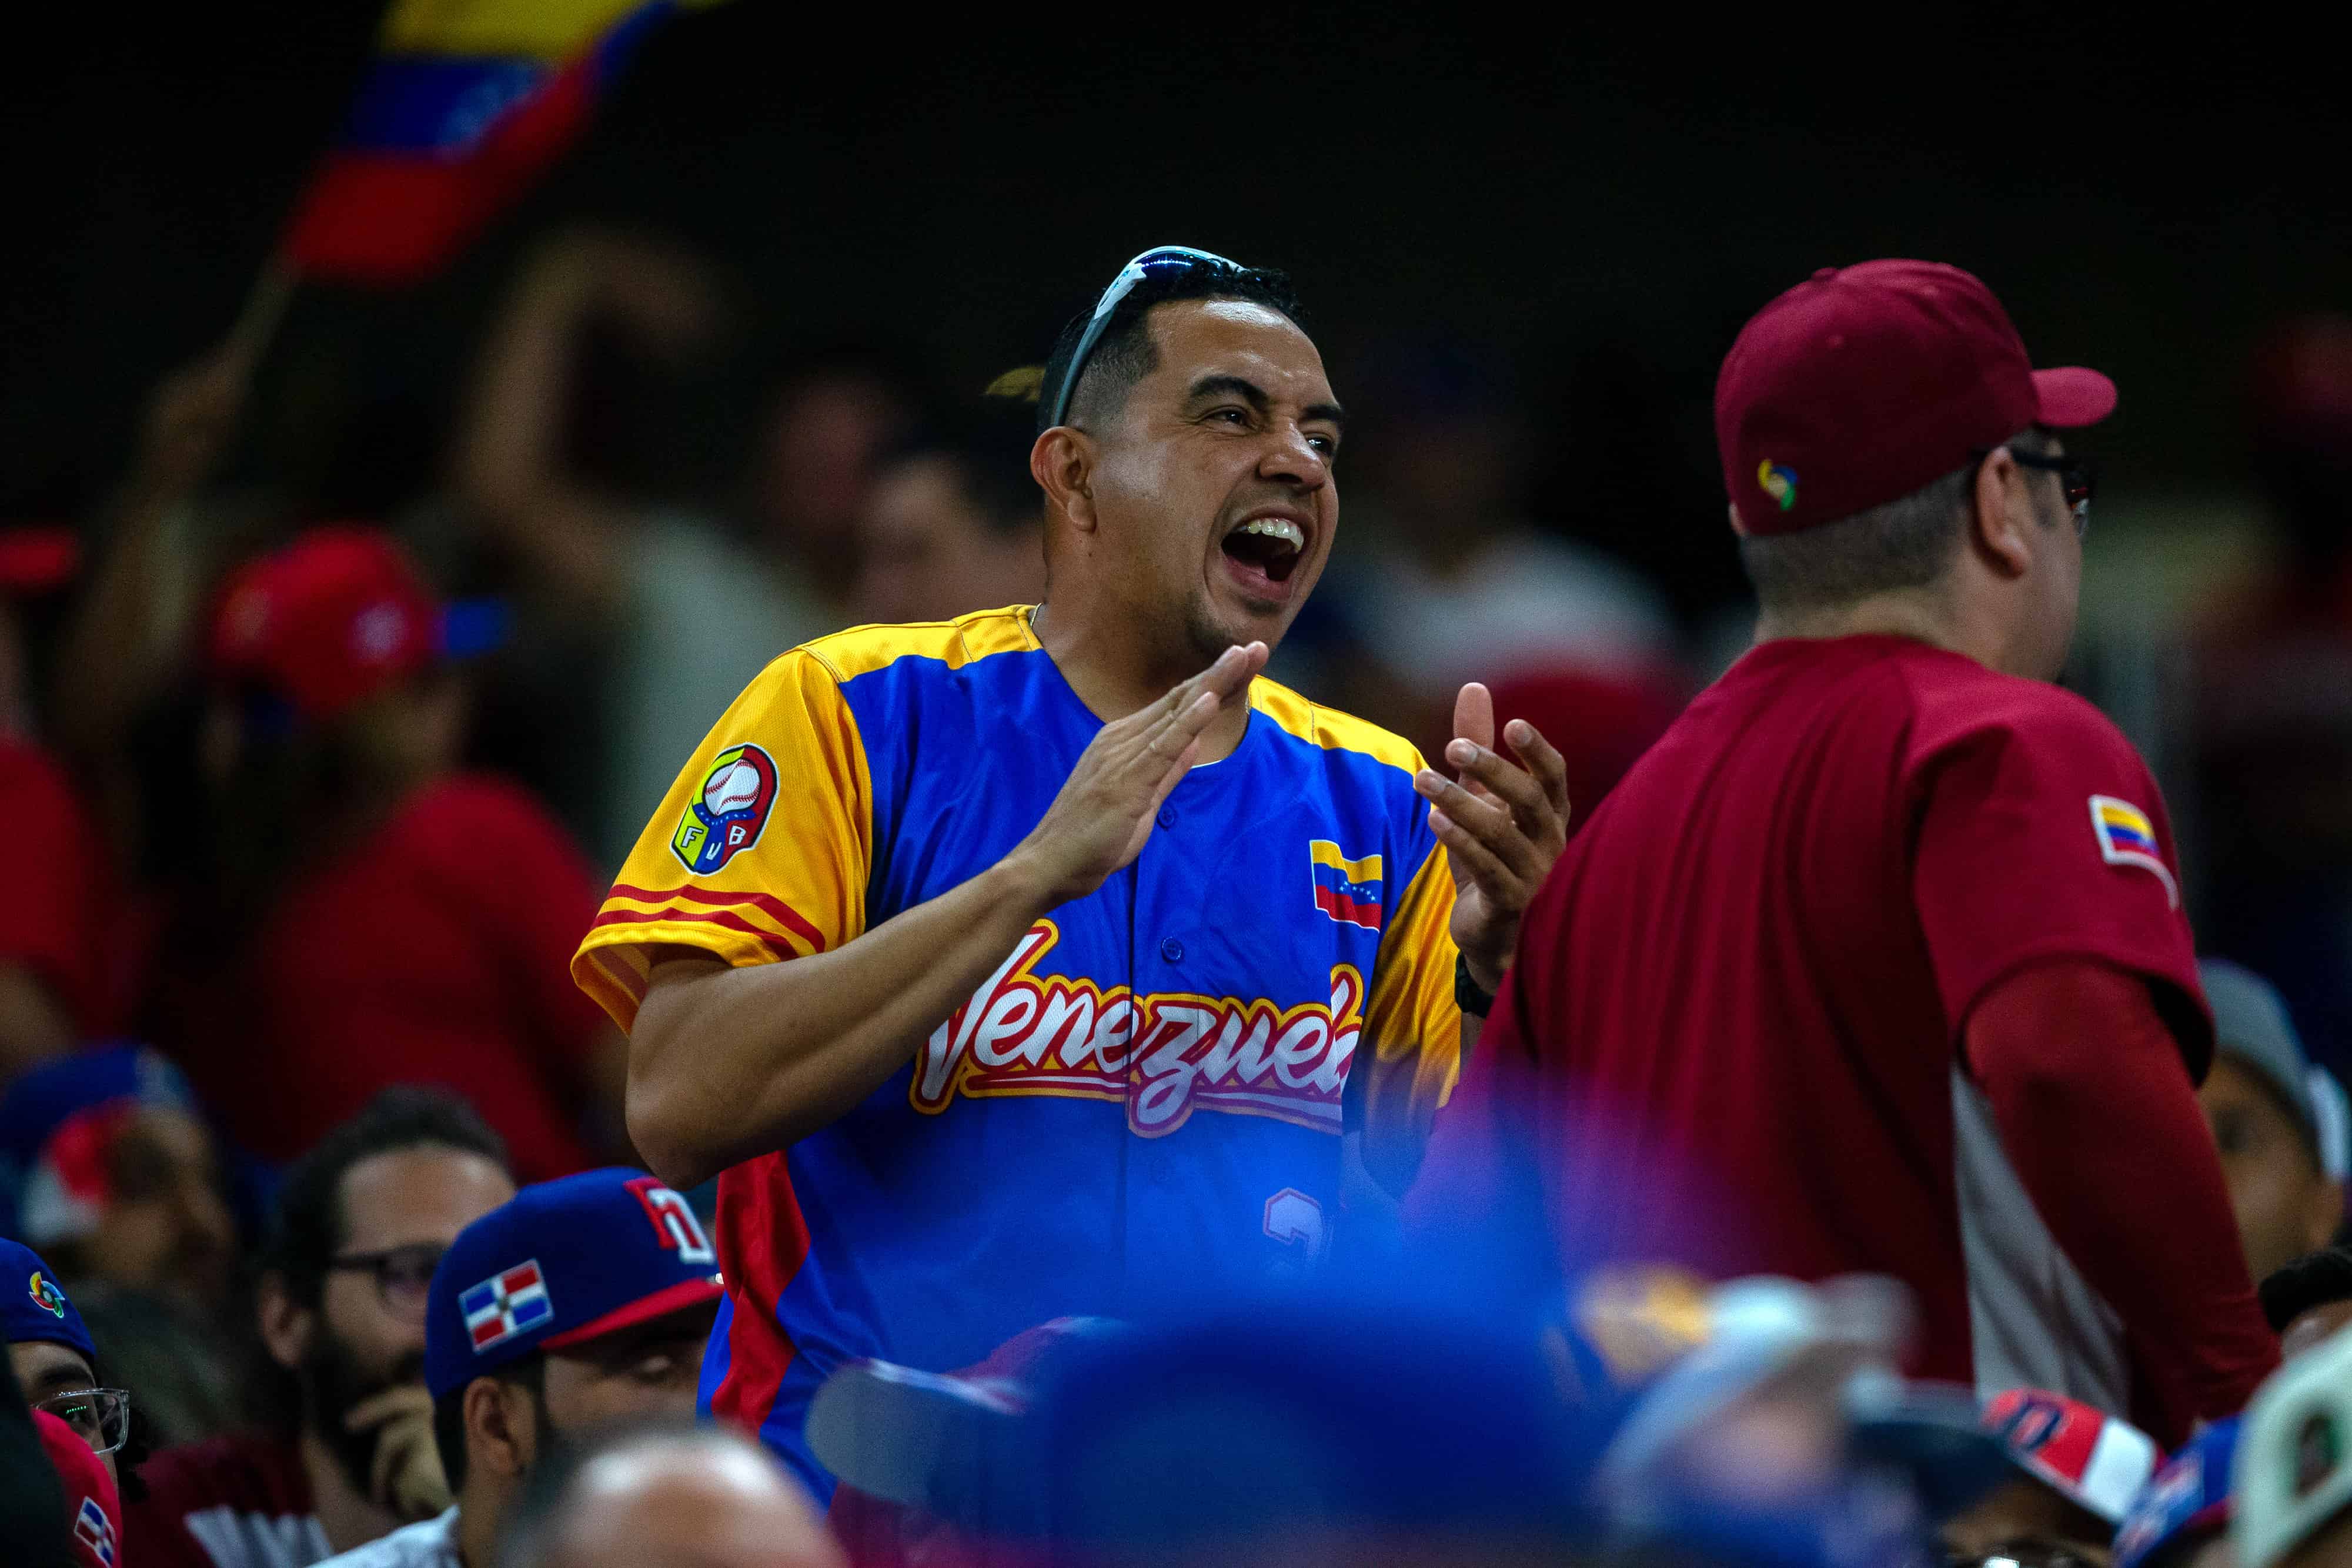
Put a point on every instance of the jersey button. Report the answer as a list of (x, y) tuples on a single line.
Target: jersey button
[(1173, 950), (1167, 816)]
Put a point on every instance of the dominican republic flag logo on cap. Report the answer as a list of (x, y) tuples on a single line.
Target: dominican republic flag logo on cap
[(504, 1305), (95, 1530)]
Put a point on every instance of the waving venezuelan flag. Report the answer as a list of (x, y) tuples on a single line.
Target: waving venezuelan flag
[(467, 103)]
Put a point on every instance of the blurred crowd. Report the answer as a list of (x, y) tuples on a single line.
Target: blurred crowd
[(302, 816)]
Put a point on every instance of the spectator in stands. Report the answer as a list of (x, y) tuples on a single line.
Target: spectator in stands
[(117, 1178), (2291, 1483), (53, 866), (50, 1352), (2274, 731), (580, 1303), (2262, 1102), (2077, 1473), (361, 1222), (953, 523), (670, 620), (706, 1494), (338, 810), (2308, 1300), (1445, 578)]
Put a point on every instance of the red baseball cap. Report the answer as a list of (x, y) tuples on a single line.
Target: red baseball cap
[(327, 622), (37, 557), (93, 1507), (1864, 384)]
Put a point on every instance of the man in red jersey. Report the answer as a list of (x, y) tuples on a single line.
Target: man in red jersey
[(1876, 960), (370, 912)]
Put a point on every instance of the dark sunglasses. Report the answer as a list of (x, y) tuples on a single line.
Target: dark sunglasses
[(1162, 258), (403, 1275), (2077, 475)]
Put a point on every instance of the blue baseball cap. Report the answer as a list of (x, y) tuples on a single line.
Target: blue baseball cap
[(2189, 1495), (34, 1307), (562, 1262)]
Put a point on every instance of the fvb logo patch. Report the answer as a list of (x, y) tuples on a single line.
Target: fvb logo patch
[(1162, 1054), (726, 818)]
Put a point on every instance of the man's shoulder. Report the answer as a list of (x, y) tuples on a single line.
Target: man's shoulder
[(1956, 701), (429, 1543), (235, 1501), (862, 650), (245, 1469), (1329, 731)]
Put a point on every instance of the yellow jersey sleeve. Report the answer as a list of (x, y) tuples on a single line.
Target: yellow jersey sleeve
[(1412, 1026), (761, 851)]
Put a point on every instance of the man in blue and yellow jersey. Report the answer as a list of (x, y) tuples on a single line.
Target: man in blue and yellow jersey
[(1014, 967)]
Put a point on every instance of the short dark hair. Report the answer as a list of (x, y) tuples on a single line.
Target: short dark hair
[(307, 1224), (450, 1412), (1907, 542), (2315, 1280), (1124, 353)]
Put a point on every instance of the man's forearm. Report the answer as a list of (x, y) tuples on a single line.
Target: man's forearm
[(725, 1064), (2101, 1125)]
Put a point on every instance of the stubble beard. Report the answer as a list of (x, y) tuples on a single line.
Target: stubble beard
[(334, 1381)]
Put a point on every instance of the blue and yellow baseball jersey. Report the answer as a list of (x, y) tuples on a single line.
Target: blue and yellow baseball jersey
[(1142, 1102)]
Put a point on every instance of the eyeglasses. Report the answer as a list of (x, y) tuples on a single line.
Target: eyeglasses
[(1166, 257), (403, 1275), (100, 1416), (2078, 476)]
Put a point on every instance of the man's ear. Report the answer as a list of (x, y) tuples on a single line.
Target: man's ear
[(501, 1428), (1062, 462), (1737, 526), (287, 1328), (2001, 515)]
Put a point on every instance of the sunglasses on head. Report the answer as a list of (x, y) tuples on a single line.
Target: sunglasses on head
[(1162, 258)]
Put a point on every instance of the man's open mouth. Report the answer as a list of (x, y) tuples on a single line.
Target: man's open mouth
[(1269, 544)]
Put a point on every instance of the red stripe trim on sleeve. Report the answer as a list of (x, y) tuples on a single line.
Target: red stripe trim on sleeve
[(766, 939), (762, 1241), (776, 908)]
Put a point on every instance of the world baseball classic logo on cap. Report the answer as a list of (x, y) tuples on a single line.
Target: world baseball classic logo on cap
[(504, 1305), (1348, 891), (731, 808), (46, 1296), (2128, 838)]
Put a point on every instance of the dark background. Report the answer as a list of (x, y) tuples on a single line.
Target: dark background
[(1606, 201)]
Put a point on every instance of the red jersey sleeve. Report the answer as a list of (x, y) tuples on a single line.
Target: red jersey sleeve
[(50, 862), (532, 893), (2039, 833)]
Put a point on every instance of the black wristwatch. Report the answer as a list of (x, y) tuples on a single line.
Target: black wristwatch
[(1469, 995)]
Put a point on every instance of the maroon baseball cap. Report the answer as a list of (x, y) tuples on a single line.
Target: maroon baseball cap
[(1864, 384), (327, 622)]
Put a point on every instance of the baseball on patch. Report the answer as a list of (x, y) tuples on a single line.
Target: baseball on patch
[(732, 790)]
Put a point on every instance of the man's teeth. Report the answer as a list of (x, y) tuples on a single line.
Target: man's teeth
[(1281, 529)]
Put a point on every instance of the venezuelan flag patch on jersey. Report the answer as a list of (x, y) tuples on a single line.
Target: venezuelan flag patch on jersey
[(729, 812), (1348, 891), (2128, 838)]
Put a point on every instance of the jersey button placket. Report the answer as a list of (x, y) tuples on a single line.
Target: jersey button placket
[(1171, 950), (1167, 816)]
